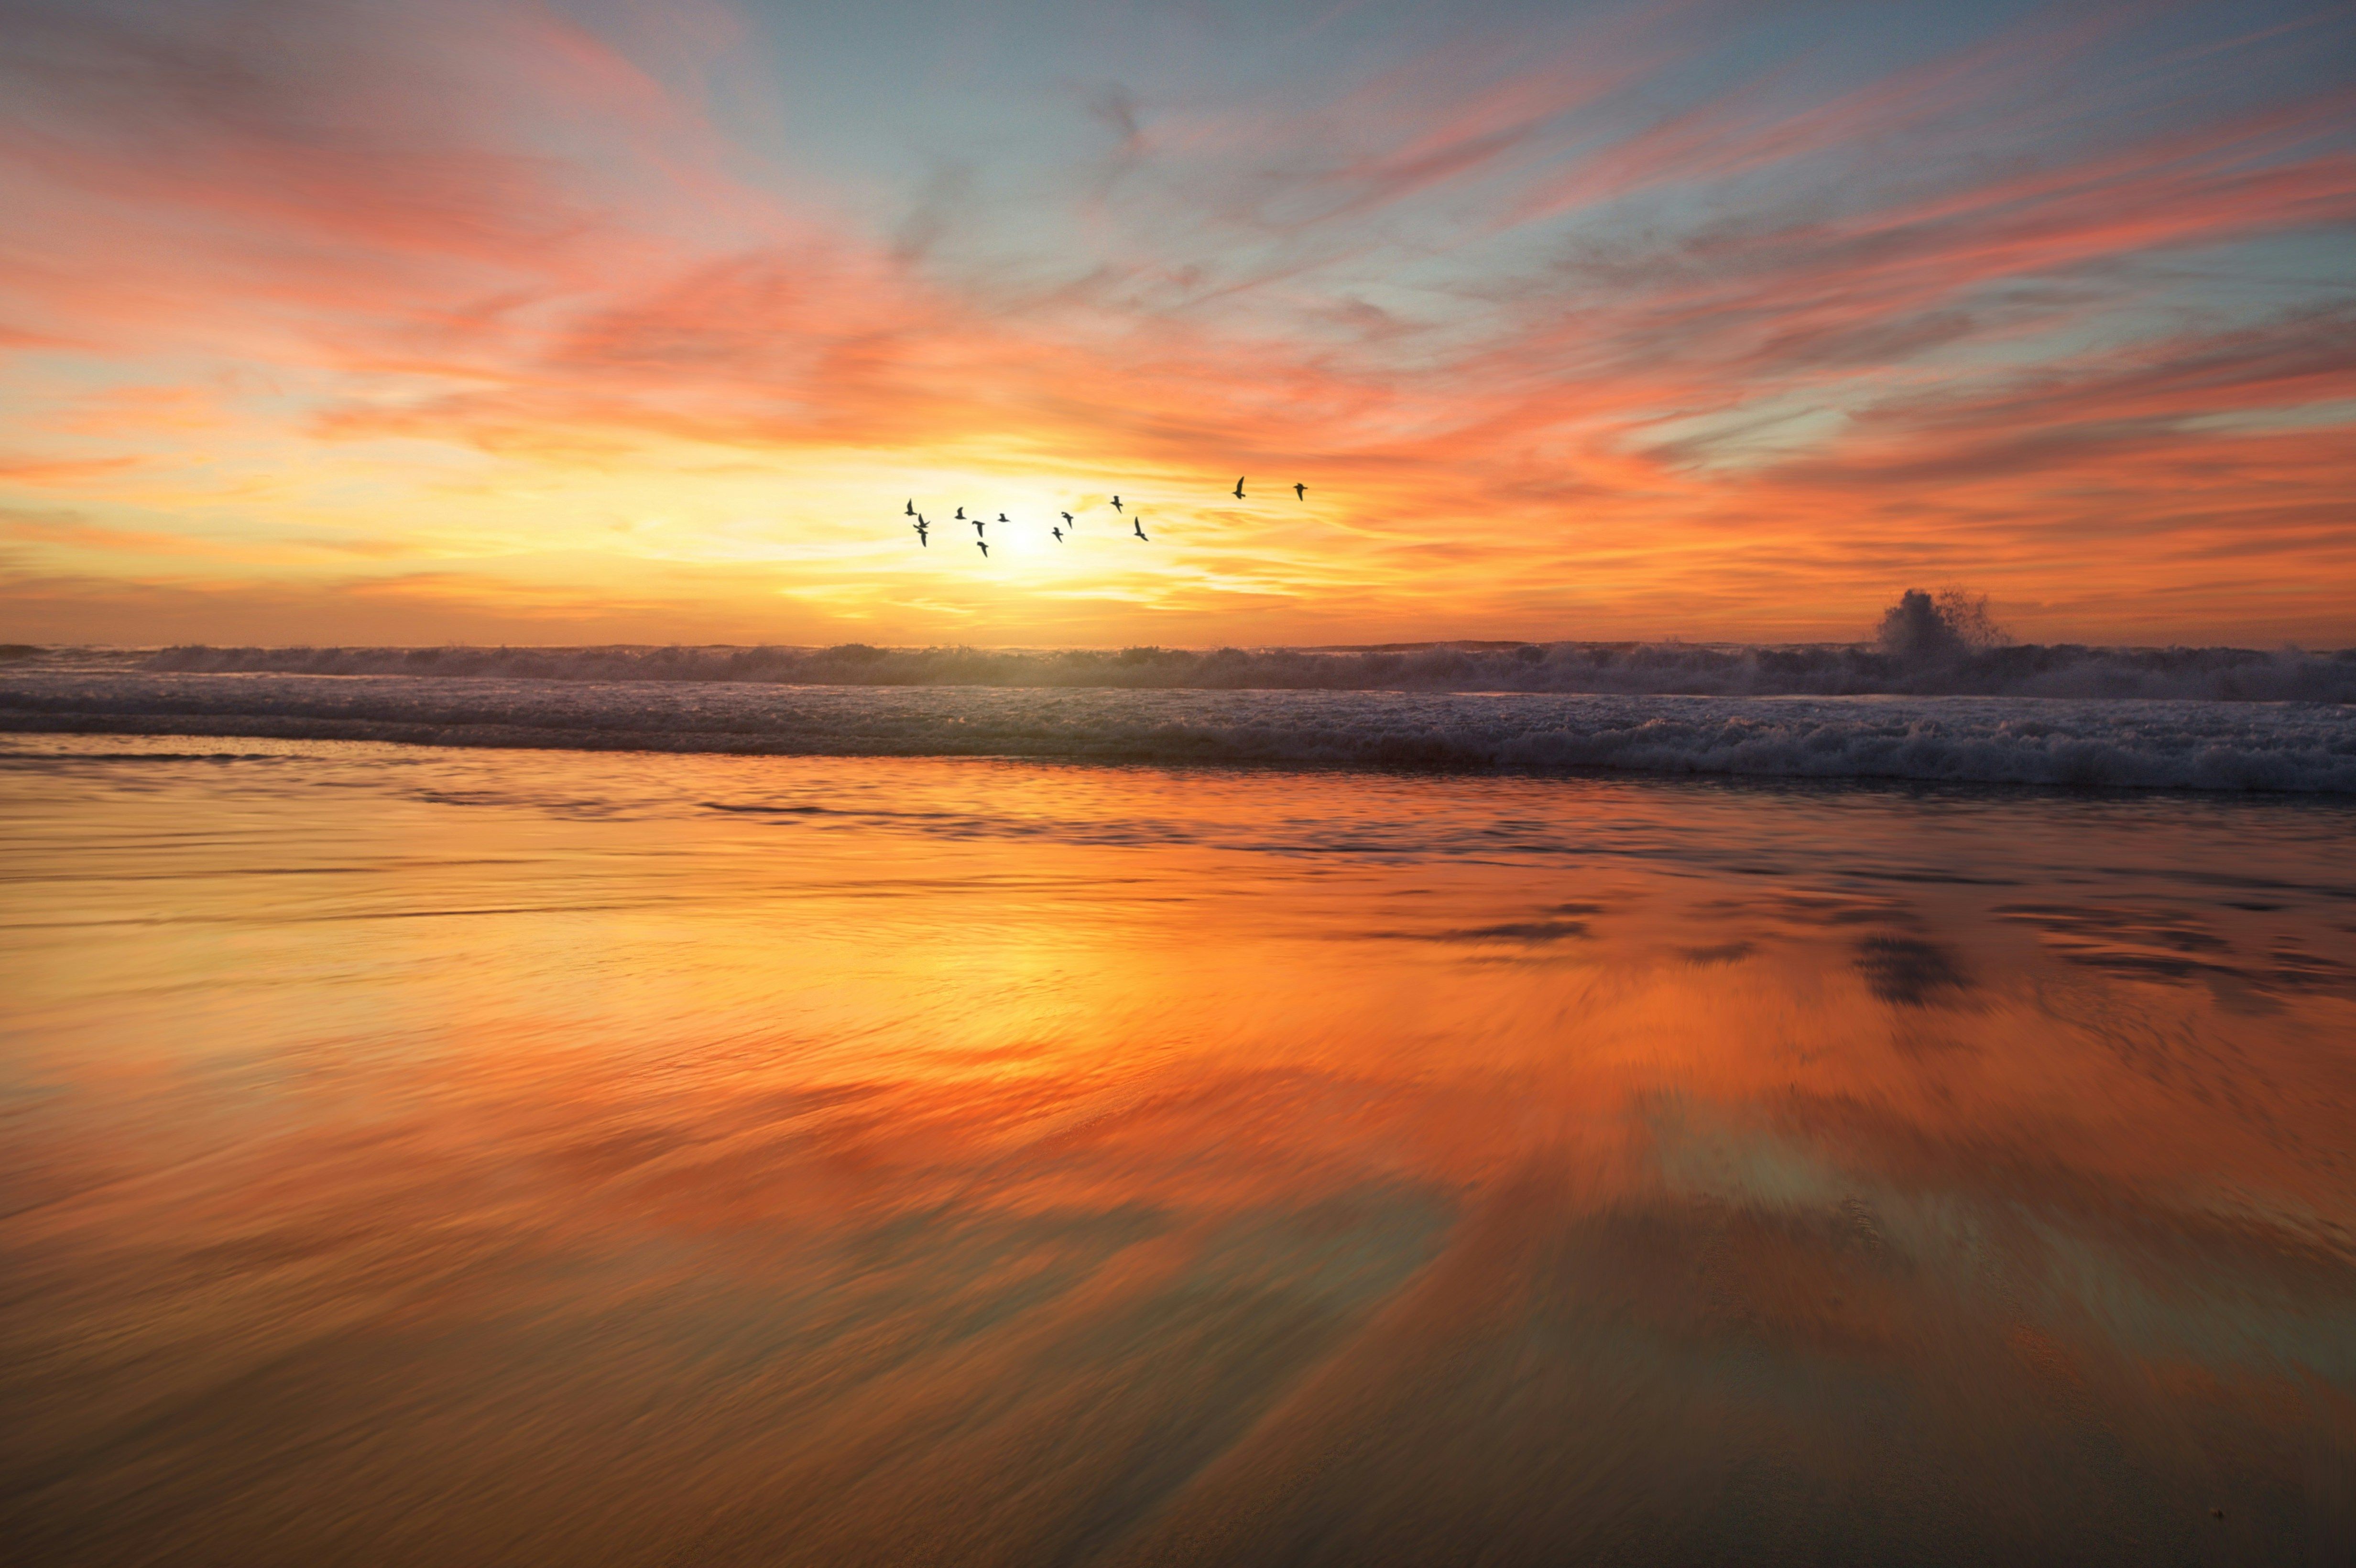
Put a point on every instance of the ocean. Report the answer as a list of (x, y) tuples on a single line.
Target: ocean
[(579, 1115), (1770, 713)]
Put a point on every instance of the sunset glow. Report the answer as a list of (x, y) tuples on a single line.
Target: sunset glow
[(1632, 844), (561, 322)]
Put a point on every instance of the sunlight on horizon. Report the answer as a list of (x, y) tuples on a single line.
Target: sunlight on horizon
[(566, 325)]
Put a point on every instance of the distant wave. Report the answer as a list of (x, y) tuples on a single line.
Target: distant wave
[(1823, 669), (2129, 743)]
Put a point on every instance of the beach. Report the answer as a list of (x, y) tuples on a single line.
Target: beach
[(1296, 786), (483, 1153)]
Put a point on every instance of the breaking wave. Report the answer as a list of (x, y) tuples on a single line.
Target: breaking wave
[(2130, 743)]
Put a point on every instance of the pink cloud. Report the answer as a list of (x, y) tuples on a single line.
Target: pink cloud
[(506, 231)]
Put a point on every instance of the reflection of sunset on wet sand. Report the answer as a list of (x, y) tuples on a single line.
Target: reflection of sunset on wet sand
[(1331, 781), (458, 1157)]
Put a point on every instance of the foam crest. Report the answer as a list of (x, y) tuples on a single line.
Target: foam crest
[(2119, 744)]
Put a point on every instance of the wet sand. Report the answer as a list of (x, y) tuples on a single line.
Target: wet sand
[(417, 1157)]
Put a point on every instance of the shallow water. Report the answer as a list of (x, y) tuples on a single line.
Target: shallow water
[(419, 1156)]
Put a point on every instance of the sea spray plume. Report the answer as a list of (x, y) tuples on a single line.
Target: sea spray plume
[(1921, 628)]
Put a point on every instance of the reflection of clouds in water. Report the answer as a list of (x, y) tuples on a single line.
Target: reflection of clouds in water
[(1910, 973), (986, 1161), (1519, 931), (2144, 942)]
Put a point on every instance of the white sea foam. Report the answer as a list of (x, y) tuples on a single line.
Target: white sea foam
[(2115, 744)]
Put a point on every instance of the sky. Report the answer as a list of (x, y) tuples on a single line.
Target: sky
[(557, 322)]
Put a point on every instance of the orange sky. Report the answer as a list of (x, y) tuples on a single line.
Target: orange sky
[(605, 322)]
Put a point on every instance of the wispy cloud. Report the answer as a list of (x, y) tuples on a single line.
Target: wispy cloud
[(1595, 328)]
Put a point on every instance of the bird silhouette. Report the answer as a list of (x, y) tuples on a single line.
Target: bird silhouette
[(982, 546), (1068, 519), (922, 538), (1139, 524), (1240, 486), (1300, 492), (1001, 516), (1116, 503), (1058, 533), (912, 506), (977, 527)]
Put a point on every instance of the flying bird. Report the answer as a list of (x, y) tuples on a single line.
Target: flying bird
[(977, 527), (1068, 519), (1058, 533), (912, 506), (960, 516), (1300, 492), (1139, 524), (1240, 486), (921, 535), (1116, 503), (1001, 516), (982, 546)]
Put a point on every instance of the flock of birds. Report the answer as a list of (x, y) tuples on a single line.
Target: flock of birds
[(981, 541)]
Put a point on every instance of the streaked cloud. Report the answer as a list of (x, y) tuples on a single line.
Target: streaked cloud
[(1633, 321)]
